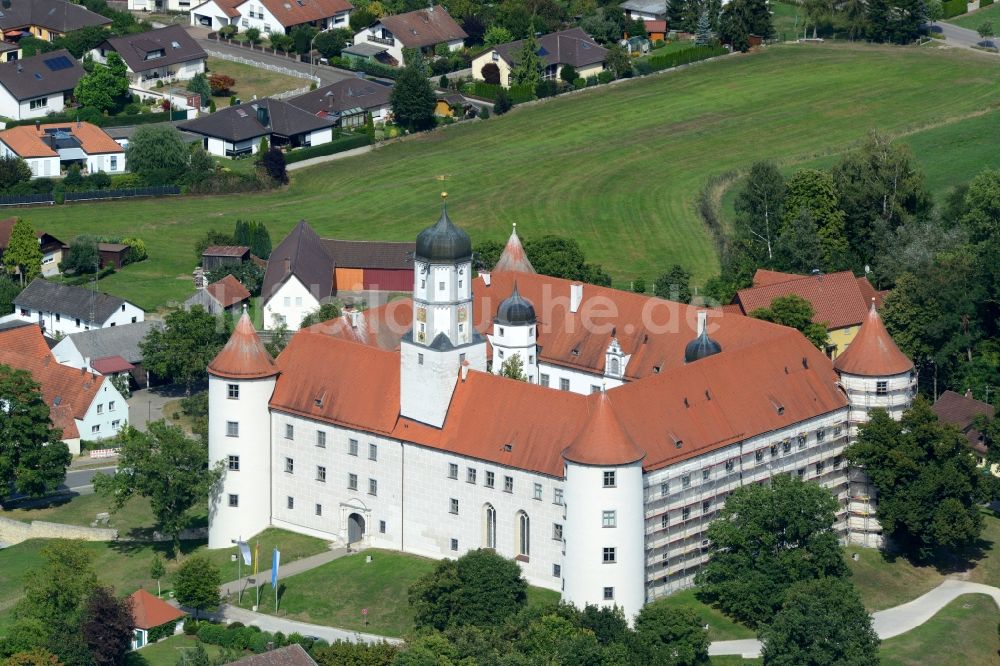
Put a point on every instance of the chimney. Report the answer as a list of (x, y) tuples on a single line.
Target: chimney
[(702, 321), (465, 370), (968, 393), (38, 126), (575, 297), (486, 278), (86, 364), (288, 265)]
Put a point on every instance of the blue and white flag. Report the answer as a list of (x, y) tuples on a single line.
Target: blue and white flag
[(244, 552), (275, 560)]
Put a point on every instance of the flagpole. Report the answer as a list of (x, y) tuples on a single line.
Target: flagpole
[(239, 572), (256, 567)]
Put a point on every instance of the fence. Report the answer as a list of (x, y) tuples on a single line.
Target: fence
[(263, 65), (93, 195), (292, 93), (27, 199)]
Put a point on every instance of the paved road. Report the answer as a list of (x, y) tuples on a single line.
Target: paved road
[(887, 623), (964, 37), (81, 481)]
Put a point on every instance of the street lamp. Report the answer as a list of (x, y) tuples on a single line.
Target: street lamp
[(312, 58)]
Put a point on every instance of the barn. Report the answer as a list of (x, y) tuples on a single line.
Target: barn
[(371, 265)]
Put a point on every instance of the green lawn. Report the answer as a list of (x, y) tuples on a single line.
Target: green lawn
[(987, 569), (886, 583), (720, 626), (252, 81), (975, 19), (618, 168), (788, 20), (167, 652), (963, 633), (83, 510)]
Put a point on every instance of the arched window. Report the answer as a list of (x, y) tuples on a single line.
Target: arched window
[(615, 366), (523, 534), (491, 526)]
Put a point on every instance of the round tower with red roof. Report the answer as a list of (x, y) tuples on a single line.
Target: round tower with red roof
[(241, 380), (605, 519)]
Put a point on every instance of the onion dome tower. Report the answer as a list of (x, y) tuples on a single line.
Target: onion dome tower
[(702, 345), (241, 380), (443, 335), (514, 334), (513, 258), (605, 520)]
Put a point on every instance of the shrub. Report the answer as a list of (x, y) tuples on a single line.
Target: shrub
[(99, 181), (228, 31), (484, 112), (159, 83), (659, 44), (127, 181), (952, 8), (132, 109), (579, 82), (163, 631), (211, 633), (546, 88), (643, 67), (191, 627), (568, 74), (591, 81), (605, 77), (502, 104), (683, 57)]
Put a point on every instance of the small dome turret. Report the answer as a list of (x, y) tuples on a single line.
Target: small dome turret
[(702, 345), (516, 310), (443, 242)]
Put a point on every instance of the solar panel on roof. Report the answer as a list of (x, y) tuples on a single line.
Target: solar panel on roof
[(57, 63)]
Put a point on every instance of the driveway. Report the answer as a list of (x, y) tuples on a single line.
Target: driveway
[(147, 405)]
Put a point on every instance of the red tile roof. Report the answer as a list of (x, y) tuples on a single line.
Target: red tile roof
[(603, 440), (109, 365), (244, 356), (836, 298), (296, 12), (382, 326), (656, 26), (228, 291), (961, 411), (29, 141), (514, 257), (873, 353), (149, 611)]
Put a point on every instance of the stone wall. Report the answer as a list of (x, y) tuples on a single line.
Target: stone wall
[(14, 531)]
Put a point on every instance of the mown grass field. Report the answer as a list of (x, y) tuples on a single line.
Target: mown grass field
[(963, 633), (973, 20), (618, 167), (252, 81)]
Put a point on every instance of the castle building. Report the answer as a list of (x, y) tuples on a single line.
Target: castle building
[(392, 427)]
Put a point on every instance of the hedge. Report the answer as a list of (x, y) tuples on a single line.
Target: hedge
[(675, 58), (238, 637), (106, 121), (985, 3), (366, 66), (518, 94), (335, 146), (952, 8), (163, 631)]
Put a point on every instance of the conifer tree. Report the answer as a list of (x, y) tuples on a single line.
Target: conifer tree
[(23, 254), (703, 34), (528, 70)]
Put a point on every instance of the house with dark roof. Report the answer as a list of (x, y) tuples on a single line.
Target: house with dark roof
[(51, 148), (840, 301), (82, 403), (422, 29), (52, 248), (112, 350), (166, 54), (347, 101), (214, 256), (290, 655), (645, 10), (39, 85), (237, 130), (61, 309), (225, 295), (962, 411), (556, 50), (152, 618), (9, 52), (47, 19)]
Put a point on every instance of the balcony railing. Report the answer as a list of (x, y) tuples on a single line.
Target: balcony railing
[(386, 41)]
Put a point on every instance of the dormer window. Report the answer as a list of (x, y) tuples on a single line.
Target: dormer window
[(153, 55)]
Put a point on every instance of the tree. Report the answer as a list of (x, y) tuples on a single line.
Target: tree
[(325, 312), (166, 467), (252, 35), (674, 285), (181, 350), (249, 274), (35, 657), (13, 170), (527, 70), (491, 74), (33, 460), (107, 627), (8, 292), (497, 34), (273, 164), (639, 285), (562, 257), (212, 237), (821, 622), (553, 639), (413, 100), (104, 86), (794, 311), (815, 192), (157, 571), (502, 104), (199, 84), (302, 38), (196, 656), (221, 84), (618, 61), (670, 636), (980, 214), (766, 539), (985, 29), (928, 485), (260, 240), (281, 42), (759, 208), (703, 33), (23, 255), (82, 257), (330, 43), (568, 74), (279, 338), (742, 18), (799, 249), (481, 588), (513, 368), (677, 11), (196, 584), (158, 154)]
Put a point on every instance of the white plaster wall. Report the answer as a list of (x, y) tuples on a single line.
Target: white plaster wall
[(395, 50), (108, 413), (293, 301), (252, 483), (66, 353), (97, 163), (515, 341), (579, 381), (216, 146), (321, 136), (426, 388), (124, 315), (21, 110)]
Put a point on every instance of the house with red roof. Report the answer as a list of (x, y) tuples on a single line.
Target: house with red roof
[(272, 16), (154, 619), (225, 295)]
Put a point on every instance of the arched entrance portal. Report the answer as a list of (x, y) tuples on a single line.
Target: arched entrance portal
[(355, 528)]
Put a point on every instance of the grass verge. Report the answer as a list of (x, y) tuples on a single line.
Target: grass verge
[(973, 20), (884, 583), (251, 81), (720, 626), (167, 652)]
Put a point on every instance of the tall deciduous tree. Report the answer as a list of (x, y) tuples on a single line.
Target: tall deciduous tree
[(799, 248), (814, 191), (107, 627), (674, 285), (33, 460), (513, 368), (13, 170), (158, 154), (821, 622), (795, 311), (23, 255), (196, 584), (183, 348), (928, 485), (82, 257), (759, 208), (562, 257), (105, 86), (982, 206), (413, 100), (670, 636), (766, 539), (166, 467)]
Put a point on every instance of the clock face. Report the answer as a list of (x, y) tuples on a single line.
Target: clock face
[(421, 314), (463, 314)]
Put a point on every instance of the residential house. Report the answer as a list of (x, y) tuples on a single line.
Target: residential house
[(82, 404), (962, 411), (283, 16), (840, 301), (423, 29), (161, 5), (61, 309), (237, 130), (225, 295), (451, 105), (152, 619), (646, 10), (39, 85), (166, 54), (9, 52), (215, 14), (290, 655), (305, 271), (216, 256), (52, 248), (47, 19), (100, 349), (348, 101), (51, 147), (555, 50)]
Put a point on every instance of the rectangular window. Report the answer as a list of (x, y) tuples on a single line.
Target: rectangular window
[(609, 479), (321, 473), (372, 487), (441, 286), (352, 481), (664, 520), (729, 465), (609, 519), (289, 431), (556, 571), (115, 424), (352, 447), (39, 103), (706, 474), (609, 593), (537, 491), (420, 359), (563, 384), (508, 484), (470, 475), (557, 496), (319, 509), (774, 450), (452, 471), (819, 467), (836, 462), (706, 506), (685, 513), (95, 429), (543, 379), (557, 531), (288, 301), (594, 388), (786, 446), (500, 330), (289, 465), (881, 387), (321, 439), (111, 405), (686, 481), (820, 435), (234, 500), (802, 472), (234, 463), (373, 452), (759, 455), (290, 502), (114, 162), (454, 506), (234, 391), (609, 554), (454, 544), (381, 527), (232, 429), (100, 408), (490, 479), (664, 489)]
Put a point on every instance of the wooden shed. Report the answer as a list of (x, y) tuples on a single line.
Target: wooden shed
[(112, 254), (215, 256)]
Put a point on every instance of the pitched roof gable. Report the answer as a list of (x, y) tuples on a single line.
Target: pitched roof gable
[(370, 254), (56, 15), (175, 42), (114, 341), (228, 291), (239, 123), (347, 94), (149, 611), (301, 254), (424, 27), (69, 300), (836, 297), (566, 47), (42, 74), (296, 12)]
